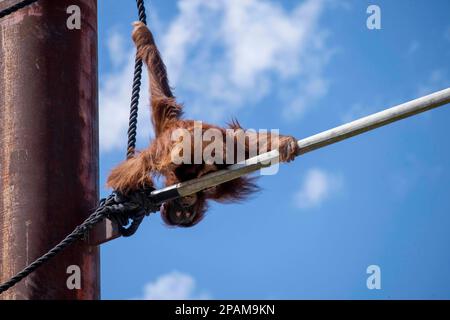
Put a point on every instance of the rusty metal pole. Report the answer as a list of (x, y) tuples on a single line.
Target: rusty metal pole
[(48, 146)]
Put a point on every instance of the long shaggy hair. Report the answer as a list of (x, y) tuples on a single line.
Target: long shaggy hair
[(137, 172)]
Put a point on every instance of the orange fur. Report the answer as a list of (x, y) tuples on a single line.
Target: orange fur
[(136, 172)]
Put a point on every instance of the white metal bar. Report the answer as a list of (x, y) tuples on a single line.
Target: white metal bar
[(309, 144), (375, 121)]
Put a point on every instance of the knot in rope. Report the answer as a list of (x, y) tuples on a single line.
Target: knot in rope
[(128, 211)]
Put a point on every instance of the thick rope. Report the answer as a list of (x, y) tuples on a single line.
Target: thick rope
[(78, 233), (134, 107), (16, 7), (134, 112), (116, 207)]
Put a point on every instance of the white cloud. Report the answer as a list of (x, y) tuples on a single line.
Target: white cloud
[(317, 187), (173, 286), (221, 56), (227, 54), (116, 44), (115, 98)]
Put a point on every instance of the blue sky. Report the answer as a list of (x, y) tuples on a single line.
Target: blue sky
[(302, 67)]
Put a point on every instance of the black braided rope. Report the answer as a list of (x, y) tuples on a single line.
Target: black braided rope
[(76, 234), (115, 207), (16, 7), (134, 107)]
